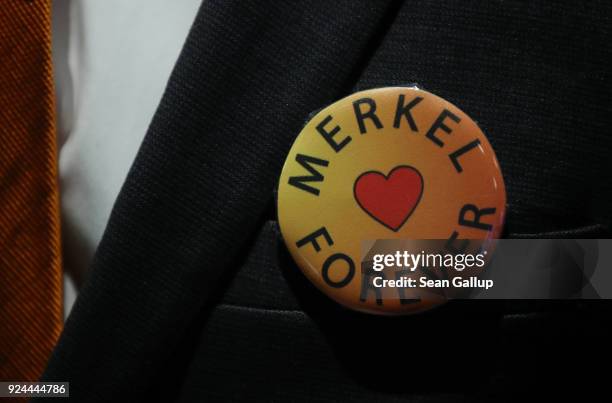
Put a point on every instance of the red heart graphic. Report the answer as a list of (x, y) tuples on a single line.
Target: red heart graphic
[(390, 199)]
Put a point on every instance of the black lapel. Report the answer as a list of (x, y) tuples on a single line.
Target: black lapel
[(249, 74)]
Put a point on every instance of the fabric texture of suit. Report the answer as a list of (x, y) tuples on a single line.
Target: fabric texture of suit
[(192, 295)]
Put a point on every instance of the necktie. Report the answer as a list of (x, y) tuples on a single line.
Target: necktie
[(30, 270)]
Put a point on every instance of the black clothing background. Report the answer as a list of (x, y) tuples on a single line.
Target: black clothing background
[(192, 295)]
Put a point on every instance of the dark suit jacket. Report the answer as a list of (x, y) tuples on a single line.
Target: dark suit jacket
[(192, 295)]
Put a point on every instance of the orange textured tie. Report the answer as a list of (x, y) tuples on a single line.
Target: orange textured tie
[(30, 264)]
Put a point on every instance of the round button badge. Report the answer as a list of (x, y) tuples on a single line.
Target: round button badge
[(387, 163)]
